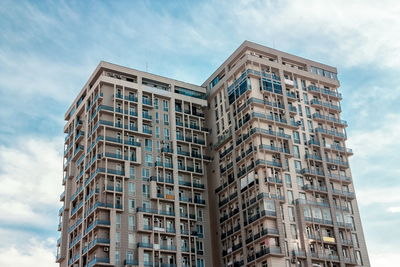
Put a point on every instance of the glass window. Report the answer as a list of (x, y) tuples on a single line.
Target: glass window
[(166, 133), (358, 258), (131, 188), (291, 214), (131, 203), (290, 196), (300, 181), (117, 240), (165, 105), (296, 151), (117, 258), (131, 241), (288, 180), (132, 171), (293, 231), (131, 222), (297, 165), (148, 144)]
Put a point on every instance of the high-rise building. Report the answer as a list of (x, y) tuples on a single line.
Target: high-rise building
[(249, 169)]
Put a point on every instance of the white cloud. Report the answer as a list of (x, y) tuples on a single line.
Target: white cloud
[(394, 209), (384, 259), (379, 141), (30, 175), (378, 195), (34, 253)]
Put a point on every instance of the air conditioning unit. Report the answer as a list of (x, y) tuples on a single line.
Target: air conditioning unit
[(105, 249), (333, 167)]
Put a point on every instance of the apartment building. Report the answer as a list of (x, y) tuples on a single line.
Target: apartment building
[(280, 186), (134, 173), (249, 169)]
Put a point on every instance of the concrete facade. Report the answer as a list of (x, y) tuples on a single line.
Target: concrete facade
[(249, 169)]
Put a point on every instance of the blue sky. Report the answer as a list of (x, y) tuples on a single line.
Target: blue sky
[(49, 49)]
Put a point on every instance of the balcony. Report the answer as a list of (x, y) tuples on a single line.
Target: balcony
[(348, 194), (330, 132), (147, 116), (264, 251), (315, 89), (98, 260), (306, 171), (330, 119), (131, 98), (274, 148), (146, 101), (313, 157), (317, 102), (154, 211), (309, 187), (318, 220), (162, 179), (337, 162), (262, 233), (147, 130), (95, 223)]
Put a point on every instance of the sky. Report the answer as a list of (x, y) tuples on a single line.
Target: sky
[(48, 49)]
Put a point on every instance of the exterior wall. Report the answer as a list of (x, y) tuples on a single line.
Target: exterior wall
[(269, 183)]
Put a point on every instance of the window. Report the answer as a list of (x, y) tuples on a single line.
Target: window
[(145, 190), (297, 165), (296, 151), (148, 160), (156, 103), (148, 144), (165, 105), (166, 134), (131, 188), (293, 231), (131, 241), (290, 196), (199, 245), (117, 258), (291, 214), (132, 171), (131, 204), (358, 258), (131, 222), (300, 181), (355, 240), (288, 180), (166, 119), (308, 112), (310, 126), (117, 241), (118, 221), (129, 256), (200, 263), (296, 137), (157, 132), (145, 173)]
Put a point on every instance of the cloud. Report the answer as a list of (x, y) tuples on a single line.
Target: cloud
[(384, 259), (394, 209), (30, 175), (35, 253)]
